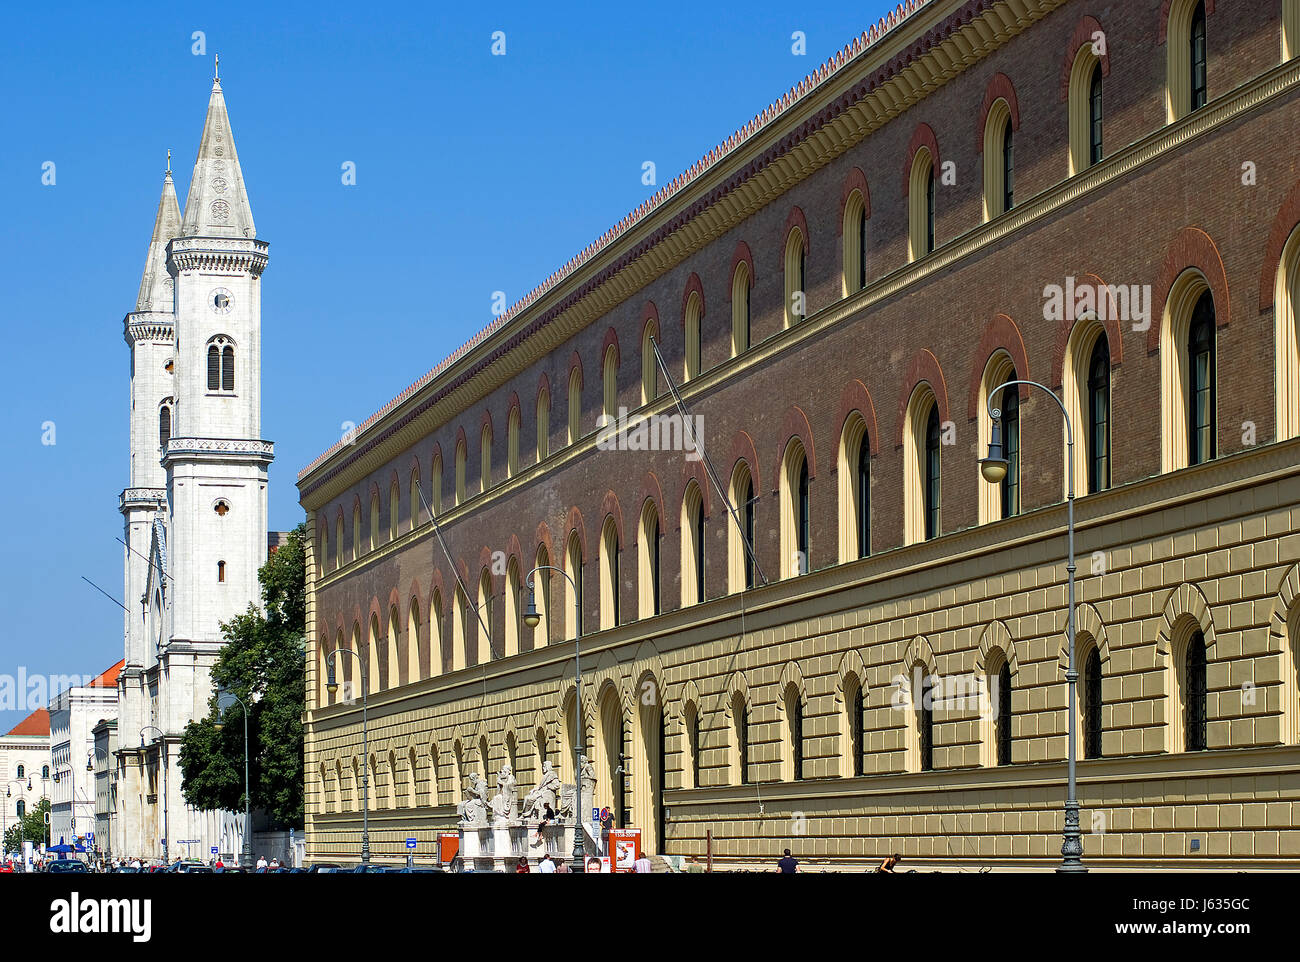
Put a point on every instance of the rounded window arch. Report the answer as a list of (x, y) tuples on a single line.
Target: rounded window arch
[(1001, 500), (1188, 373), (483, 623), (855, 489), (1186, 52), (692, 528), (740, 564), (1085, 109), (922, 463), (649, 366), (221, 364), (691, 322), (1286, 336), (796, 258), (649, 592), (573, 613), (610, 551), (920, 205), (796, 511), (512, 442), (609, 383), (854, 237), (543, 425), (164, 422), (999, 160), (741, 322)]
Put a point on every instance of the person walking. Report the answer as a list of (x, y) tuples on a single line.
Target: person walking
[(546, 866), (788, 864)]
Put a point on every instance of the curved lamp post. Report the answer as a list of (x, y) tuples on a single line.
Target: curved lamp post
[(532, 618), (4, 811), (163, 759), (228, 698), (331, 685), (994, 469)]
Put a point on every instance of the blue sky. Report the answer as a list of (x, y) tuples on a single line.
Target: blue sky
[(475, 173)]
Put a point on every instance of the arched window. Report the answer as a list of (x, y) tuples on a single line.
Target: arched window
[(740, 564), (609, 383), (338, 542), (1001, 500), (164, 423), (854, 234), (609, 575), (461, 457), (1286, 335), (692, 526), (413, 659), (920, 202), (1010, 486), (373, 678), (1290, 29), (855, 490), (740, 308), (1098, 438), (648, 561), (924, 712), (459, 615), (392, 663), (1195, 691), (796, 521), (435, 485), (796, 298), (1187, 86), (575, 405), (45, 771), (1092, 704), (414, 498), (513, 611), (1201, 406), (374, 521), (740, 721), (512, 442), (322, 556), (221, 572), (357, 531), (485, 458), (999, 162), (794, 730), (1085, 109), (543, 426), (694, 314), (858, 728), (921, 444), (1095, 150), (21, 807), (649, 366), (573, 592), (542, 597), (22, 771), (485, 599), (932, 464), (221, 364), (691, 716), (394, 507), (435, 634), (1004, 714)]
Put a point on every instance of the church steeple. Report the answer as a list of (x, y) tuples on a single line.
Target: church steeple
[(217, 205), (156, 283)]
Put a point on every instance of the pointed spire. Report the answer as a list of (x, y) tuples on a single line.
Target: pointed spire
[(156, 283), (217, 205)]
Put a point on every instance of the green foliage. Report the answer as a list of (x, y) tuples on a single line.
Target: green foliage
[(31, 828), (261, 663)]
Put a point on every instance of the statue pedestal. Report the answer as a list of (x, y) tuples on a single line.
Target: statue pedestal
[(499, 847)]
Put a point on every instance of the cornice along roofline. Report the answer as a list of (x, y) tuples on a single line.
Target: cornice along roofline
[(925, 59)]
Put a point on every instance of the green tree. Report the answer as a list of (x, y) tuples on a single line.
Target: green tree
[(262, 663), (32, 827)]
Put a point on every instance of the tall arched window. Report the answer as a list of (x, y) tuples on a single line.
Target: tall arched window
[(855, 707), (414, 501), (1197, 53), (575, 405), (459, 617), (740, 722), (932, 464), (1095, 150), (609, 382), (573, 592), (648, 561), (513, 611), (921, 205), (691, 325), (1010, 486), (796, 521), (1098, 439), (543, 426), (924, 711), (855, 489), (1286, 333), (461, 457), (394, 508), (357, 532), (862, 487), (374, 522), (1001, 500), (692, 527), (740, 308), (435, 634), (1004, 714), (435, 485), (1187, 83), (338, 542), (794, 716), (796, 298), (854, 231), (542, 597), (1290, 29), (221, 364), (999, 161), (485, 600), (164, 423), (1092, 704), (609, 575), (1201, 405), (21, 807), (413, 670), (649, 366), (512, 442), (1195, 691), (485, 458), (921, 440), (691, 714)]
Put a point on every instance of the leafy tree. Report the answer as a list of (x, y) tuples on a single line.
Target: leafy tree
[(262, 662), (32, 827)]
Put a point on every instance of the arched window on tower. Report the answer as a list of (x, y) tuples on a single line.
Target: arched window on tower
[(221, 365), (165, 423)]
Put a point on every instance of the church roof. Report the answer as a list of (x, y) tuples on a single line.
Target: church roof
[(217, 205), (108, 679), (156, 283), (37, 723)]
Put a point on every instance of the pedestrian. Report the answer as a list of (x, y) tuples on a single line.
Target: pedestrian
[(642, 864), (562, 868), (546, 866), (221, 866), (787, 865), (521, 867), (261, 862), (888, 864)]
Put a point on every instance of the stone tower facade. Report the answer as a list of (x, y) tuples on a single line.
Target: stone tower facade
[(196, 511)]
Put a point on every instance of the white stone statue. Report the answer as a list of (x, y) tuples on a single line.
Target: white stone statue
[(473, 810), (545, 792), (505, 802)]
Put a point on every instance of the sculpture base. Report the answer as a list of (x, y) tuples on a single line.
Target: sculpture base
[(498, 848)]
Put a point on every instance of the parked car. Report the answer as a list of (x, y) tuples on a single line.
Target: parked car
[(67, 866), (418, 870), (369, 868), (128, 870), (324, 867)]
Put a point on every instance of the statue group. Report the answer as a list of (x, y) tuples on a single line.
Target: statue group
[(477, 810)]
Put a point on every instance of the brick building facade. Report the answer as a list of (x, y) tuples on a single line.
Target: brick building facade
[(1144, 151)]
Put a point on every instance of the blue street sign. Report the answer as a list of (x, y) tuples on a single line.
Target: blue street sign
[(410, 843), (213, 850)]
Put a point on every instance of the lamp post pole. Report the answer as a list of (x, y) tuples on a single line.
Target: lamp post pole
[(994, 469), (4, 812), (246, 858), (162, 755), (332, 686), (533, 618)]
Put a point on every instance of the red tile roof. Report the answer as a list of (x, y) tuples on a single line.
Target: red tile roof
[(37, 723), (109, 678)]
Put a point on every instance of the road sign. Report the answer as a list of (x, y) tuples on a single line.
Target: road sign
[(213, 850), (410, 843)]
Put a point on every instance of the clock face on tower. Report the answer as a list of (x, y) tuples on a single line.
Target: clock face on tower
[(221, 301)]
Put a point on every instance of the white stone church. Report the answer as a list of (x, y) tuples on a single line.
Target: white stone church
[(195, 510)]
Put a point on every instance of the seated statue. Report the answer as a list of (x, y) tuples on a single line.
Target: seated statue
[(545, 792), (473, 810), (505, 801)]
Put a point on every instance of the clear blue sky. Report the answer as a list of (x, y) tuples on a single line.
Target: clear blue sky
[(475, 173)]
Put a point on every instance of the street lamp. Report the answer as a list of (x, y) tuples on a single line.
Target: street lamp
[(228, 697), (532, 618), (994, 469), (163, 758), (4, 811), (331, 685)]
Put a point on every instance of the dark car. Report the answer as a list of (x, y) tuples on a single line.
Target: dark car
[(127, 870), (67, 865), (324, 867), (418, 870), (369, 868)]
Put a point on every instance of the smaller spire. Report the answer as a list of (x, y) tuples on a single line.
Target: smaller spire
[(216, 70), (169, 160)]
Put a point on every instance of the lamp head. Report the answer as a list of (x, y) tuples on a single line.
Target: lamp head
[(331, 684), (90, 765), (994, 467), (532, 617)]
